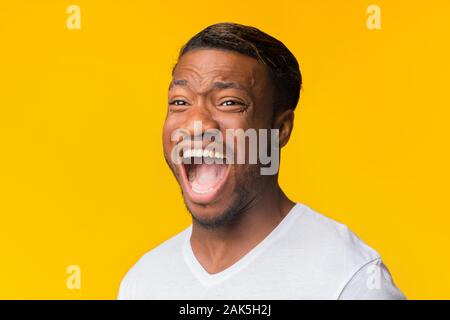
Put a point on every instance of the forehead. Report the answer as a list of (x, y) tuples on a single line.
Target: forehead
[(202, 66)]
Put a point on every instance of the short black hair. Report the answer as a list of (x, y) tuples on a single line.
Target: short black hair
[(284, 70)]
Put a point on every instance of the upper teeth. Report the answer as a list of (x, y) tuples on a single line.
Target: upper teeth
[(202, 153)]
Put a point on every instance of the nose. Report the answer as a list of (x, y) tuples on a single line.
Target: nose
[(199, 120)]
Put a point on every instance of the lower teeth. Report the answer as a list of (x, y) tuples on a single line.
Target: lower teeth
[(201, 191)]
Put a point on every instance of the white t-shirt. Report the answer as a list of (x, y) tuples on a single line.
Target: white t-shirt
[(307, 256)]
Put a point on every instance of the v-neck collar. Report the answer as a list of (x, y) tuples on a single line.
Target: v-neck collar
[(208, 279)]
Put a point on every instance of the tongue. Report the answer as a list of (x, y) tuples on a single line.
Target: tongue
[(206, 176)]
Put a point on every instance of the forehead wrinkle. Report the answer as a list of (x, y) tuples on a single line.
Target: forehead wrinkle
[(207, 85), (218, 77), (193, 73)]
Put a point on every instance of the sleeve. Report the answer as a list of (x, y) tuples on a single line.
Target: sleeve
[(371, 282)]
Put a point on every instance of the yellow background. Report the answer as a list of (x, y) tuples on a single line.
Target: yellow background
[(82, 176)]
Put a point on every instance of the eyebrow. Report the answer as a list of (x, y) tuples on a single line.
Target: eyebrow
[(217, 84), (174, 83)]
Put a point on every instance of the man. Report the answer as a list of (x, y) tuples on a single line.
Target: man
[(248, 240)]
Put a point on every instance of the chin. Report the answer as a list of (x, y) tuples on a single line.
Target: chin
[(211, 213), (213, 216)]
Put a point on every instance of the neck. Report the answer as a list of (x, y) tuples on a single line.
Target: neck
[(218, 248)]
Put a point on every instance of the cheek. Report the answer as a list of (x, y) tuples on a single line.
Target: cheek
[(235, 121), (167, 136)]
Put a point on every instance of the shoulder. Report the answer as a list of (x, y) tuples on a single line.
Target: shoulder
[(347, 261), (330, 248), (333, 235), (372, 282), (157, 261), (164, 251)]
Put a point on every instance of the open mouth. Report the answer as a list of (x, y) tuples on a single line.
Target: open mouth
[(204, 174)]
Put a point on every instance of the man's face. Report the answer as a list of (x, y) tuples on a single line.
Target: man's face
[(222, 90)]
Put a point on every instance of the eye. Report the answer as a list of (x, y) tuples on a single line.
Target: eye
[(232, 103), (178, 102)]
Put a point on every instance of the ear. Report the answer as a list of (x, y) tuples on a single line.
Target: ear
[(284, 122)]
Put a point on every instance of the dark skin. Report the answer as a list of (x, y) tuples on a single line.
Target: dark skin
[(228, 90)]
